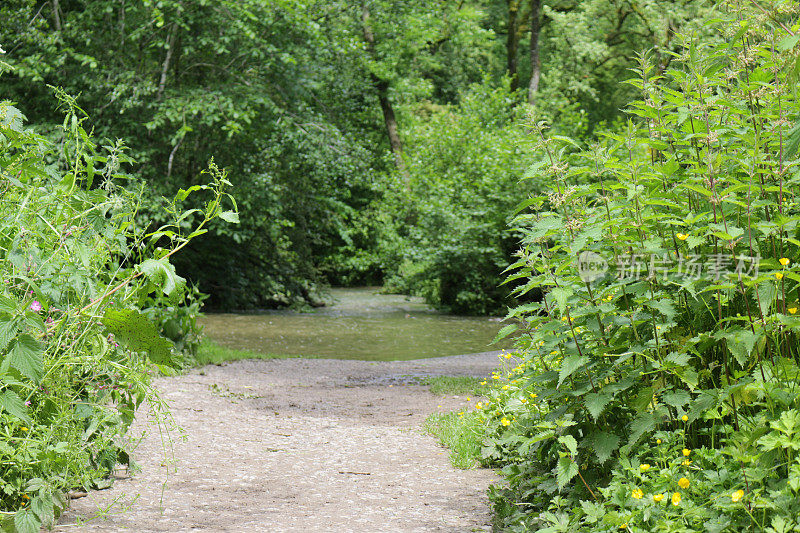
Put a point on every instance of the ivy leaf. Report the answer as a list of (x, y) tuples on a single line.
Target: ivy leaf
[(569, 366), (26, 356), (138, 334), (161, 273), (566, 470), (596, 402)]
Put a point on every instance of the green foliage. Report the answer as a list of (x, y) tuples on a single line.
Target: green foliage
[(647, 349), (74, 265), (460, 433), (455, 385), (210, 353), (449, 241)]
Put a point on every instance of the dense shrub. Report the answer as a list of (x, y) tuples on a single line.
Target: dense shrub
[(76, 355), (449, 241), (660, 393)]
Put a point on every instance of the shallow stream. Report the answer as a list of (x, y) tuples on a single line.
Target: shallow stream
[(361, 324)]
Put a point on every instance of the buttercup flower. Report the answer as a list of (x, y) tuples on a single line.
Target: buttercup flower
[(479, 405), (779, 275), (658, 497), (683, 483), (792, 310), (685, 418), (505, 421), (676, 499), (637, 494), (644, 467), (686, 452), (784, 261), (737, 496), (681, 236), (658, 441)]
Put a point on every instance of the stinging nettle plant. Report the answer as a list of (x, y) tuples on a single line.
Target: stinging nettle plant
[(694, 200)]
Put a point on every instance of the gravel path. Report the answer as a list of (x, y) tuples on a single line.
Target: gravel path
[(297, 445)]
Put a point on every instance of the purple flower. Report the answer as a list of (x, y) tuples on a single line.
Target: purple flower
[(27, 402), (36, 306)]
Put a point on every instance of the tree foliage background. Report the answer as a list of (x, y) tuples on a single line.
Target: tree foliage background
[(368, 142)]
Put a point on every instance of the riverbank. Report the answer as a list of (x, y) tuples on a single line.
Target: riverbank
[(298, 445)]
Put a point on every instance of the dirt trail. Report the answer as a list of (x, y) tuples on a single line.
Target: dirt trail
[(298, 445)]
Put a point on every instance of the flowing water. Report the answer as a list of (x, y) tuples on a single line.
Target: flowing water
[(361, 324)]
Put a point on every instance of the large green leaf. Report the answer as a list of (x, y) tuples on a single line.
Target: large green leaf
[(570, 365), (161, 273), (13, 404), (8, 330), (25, 355), (135, 332), (566, 470)]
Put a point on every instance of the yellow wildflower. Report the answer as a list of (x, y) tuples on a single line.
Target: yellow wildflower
[(469, 399), (683, 483), (505, 421), (23, 428), (682, 236), (658, 441), (637, 494), (624, 526), (779, 275), (479, 405), (686, 452), (505, 387), (738, 495), (687, 462), (685, 418), (644, 467), (658, 497), (676, 499), (792, 310), (784, 261)]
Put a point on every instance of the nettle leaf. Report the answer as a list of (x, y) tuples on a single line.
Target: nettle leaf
[(766, 295), (676, 399), (8, 330), (570, 442), (7, 305), (13, 404), (138, 334), (644, 423), (570, 365), (604, 444), (25, 355), (505, 332), (561, 294), (663, 306), (741, 343), (566, 470), (596, 403), (26, 521), (161, 273)]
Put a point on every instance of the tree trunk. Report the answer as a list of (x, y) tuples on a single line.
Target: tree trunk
[(382, 88), (512, 42), (536, 64), (57, 15), (162, 83)]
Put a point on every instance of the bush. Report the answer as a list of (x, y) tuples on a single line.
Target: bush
[(76, 355), (690, 333), (450, 241)]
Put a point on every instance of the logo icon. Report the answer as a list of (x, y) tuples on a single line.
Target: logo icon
[(591, 266)]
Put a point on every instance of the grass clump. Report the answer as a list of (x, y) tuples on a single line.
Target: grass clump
[(456, 385), (461, 433), (211, 353)]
